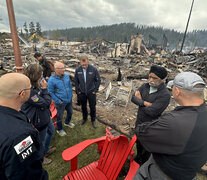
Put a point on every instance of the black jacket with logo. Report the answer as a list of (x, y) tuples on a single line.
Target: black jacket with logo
[(93, 80), (37, 108), (159, 100), (177, 141), (21, 153)]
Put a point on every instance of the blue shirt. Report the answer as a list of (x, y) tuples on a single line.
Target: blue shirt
[(84, 73)]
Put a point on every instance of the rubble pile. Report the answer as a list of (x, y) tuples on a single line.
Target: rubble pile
[(121, 73)]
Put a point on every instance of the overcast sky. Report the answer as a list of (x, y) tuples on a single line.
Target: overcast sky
[(61, 14)]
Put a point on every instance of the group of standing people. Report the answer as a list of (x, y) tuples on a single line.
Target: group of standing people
[(27, 129), (170, 145)]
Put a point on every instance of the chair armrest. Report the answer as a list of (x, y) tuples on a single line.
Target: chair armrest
[(53, 110), (75, 150), (132, 170)]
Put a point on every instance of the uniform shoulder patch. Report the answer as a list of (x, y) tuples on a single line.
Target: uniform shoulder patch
[(25, 148), (35, 98)]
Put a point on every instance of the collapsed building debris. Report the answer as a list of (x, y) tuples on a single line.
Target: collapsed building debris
[(121, 73)]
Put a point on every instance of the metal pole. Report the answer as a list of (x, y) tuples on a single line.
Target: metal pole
[(14, 35), (187, 26)]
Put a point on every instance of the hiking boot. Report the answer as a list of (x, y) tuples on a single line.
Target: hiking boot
[(51, 151), (94, 124), (46, 161), (83, 122), (62, 132), (70, 124)]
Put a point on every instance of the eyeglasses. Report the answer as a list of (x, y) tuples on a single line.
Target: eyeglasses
[(24, 90)]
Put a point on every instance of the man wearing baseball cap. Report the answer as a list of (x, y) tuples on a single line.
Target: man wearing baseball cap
[(152, 98), (177, 139)]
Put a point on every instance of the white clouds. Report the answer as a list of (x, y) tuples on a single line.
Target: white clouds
[(53, 14)]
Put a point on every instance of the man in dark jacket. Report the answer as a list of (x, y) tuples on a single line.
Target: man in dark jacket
[(152, 98), (21, 153), (177, 139), (87, 82), (45, 64)]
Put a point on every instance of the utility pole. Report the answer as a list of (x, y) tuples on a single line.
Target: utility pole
[(186, 29), (14, 35)]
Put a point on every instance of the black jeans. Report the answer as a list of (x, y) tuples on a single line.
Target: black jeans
[(91, 98), (142, 154)]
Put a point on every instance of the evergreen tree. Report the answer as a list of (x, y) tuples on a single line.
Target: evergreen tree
[(123, 32), (21, 33), (26, 30), (31, 28), (56, 34), (38, 29)]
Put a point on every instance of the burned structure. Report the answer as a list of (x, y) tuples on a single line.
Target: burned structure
[(123, 68)]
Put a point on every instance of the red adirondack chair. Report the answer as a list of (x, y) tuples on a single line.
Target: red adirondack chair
[(114, 153), (132, 170), (53, 112)]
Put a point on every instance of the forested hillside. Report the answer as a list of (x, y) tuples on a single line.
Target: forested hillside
[(122, 33)]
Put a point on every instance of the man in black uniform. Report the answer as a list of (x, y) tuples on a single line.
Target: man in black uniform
[(177, 139), (152, 98), (45, 64), (21, 154), (87, 82)]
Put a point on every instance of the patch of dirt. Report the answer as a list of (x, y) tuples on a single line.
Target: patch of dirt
[(120, 118)]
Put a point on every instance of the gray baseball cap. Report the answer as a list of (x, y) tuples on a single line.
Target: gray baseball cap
[(187, 80)]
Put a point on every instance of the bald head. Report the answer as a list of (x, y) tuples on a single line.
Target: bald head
[(12, 84), (59, 68), (58, 65)]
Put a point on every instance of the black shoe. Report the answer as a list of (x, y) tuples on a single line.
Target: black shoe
[(83, 122), (94, 124)]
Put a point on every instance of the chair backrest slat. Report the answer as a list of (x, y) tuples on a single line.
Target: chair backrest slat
[(114, 155), (118, 156), (110, 157), (124, 157)]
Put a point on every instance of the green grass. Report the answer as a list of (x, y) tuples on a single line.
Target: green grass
[(59, 168)]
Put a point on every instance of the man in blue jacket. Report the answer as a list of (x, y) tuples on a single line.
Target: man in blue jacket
[(60, 88), (87, 82)]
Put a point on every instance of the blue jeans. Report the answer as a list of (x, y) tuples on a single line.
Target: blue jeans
[(49, 135), (60, 111)]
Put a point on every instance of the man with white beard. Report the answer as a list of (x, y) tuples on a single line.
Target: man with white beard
[(152, 98)]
